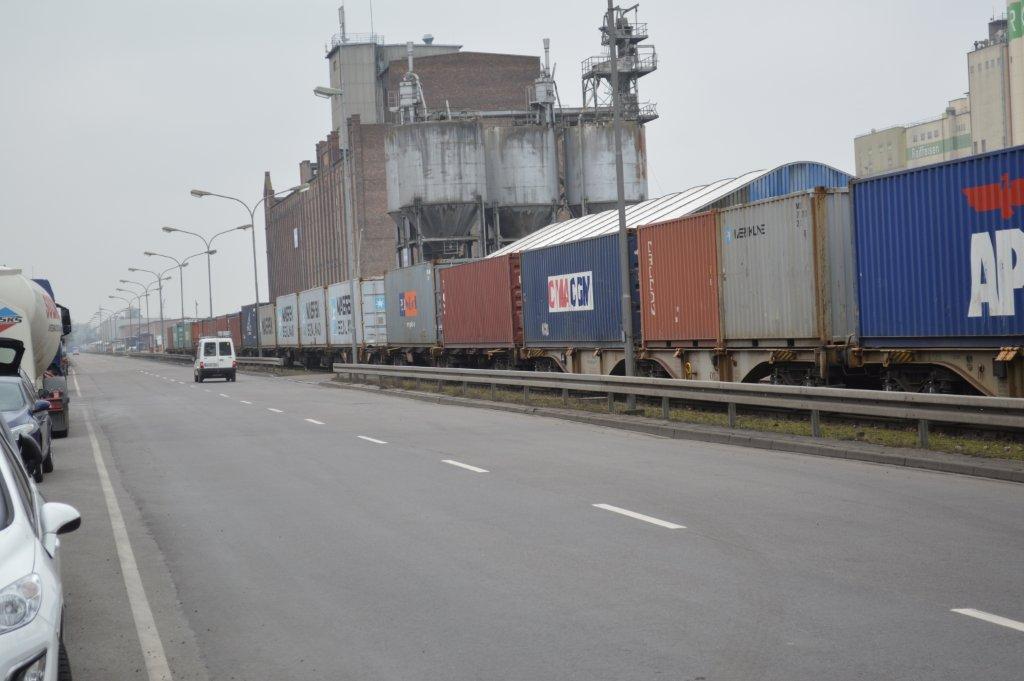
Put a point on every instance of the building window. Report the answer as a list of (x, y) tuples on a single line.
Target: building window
[(915, 136), (975, 147), (295, 237), (982, 143)]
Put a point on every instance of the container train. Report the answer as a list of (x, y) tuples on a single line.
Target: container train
[(909, 281)]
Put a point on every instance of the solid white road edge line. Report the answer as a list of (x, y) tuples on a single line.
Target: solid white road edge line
[(319, 423), (465, 465), (276, 411), (640, 516), (145, 626), (371, 439), (78, 390), (989, 617)]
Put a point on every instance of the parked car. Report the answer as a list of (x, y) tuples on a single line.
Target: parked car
[(20, 408), (215, 357), (31, 592), (75, 350)]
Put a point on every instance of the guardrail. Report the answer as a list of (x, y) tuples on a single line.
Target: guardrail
[(925, 409), (188, 359)]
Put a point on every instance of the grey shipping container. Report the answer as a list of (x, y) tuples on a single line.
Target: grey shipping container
[(787, 270), (268, 326), (288, 320), (413, 309)]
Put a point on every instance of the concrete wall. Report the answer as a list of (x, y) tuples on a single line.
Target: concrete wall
[(881, 151)]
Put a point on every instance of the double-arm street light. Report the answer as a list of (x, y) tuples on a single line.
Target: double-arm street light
[(181, 265), (138, 306), (159, 279), (209, 252), (129, 304), (199, 193), (145, 292)]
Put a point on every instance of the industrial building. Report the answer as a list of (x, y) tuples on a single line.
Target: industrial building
[(988, 118), (440, 154)]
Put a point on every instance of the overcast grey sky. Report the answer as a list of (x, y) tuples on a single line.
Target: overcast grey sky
[(111, 110)]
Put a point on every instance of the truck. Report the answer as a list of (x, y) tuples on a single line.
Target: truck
[(28, 313)]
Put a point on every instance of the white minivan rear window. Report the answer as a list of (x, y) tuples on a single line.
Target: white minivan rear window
[(225, 349), (209, 349)]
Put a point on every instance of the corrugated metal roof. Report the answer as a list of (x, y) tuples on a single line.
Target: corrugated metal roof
[(788, 177)]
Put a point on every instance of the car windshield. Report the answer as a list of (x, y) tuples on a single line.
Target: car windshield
[(209, 349), (225, 348), (11, 396)]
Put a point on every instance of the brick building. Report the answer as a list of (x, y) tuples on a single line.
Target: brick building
[(306, 237)]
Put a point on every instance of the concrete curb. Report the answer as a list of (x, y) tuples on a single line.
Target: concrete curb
[(995, 469)]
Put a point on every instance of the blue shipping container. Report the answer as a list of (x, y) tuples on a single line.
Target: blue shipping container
[(571, 293), (250, 326), (940, 253)]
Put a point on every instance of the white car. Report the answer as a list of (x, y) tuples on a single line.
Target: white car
[(214, 357), (31, 594)]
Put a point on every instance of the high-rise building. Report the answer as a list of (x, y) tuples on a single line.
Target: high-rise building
[(981, 121)]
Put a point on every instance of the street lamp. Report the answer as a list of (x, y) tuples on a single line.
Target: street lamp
[(180, 264), (349, 220), (199, 193), (138, 305), (159, 277), (129, 304), (208, 243), (145, 292)]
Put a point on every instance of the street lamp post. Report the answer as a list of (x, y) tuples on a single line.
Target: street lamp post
[(129, 304), (612, 31), (146, 291), (209, 252), (348, 218), (159, 278), (180, 264), (138, 306), (199, 193)]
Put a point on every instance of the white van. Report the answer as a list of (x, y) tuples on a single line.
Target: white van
[(214, 357)]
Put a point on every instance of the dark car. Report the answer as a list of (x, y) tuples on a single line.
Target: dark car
[(20, 408)]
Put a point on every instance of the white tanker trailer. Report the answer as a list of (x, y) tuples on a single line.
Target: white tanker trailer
[(29, 314)]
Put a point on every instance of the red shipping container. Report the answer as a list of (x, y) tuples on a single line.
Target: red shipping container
[(482, 302), (679, 280), (197, 332)]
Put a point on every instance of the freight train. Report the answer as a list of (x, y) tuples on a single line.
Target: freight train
[(910, 281)]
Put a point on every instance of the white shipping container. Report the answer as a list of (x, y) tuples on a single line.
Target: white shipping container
[(373, 310), (369, 309), (268, 326), (312, 318), (288, 320)]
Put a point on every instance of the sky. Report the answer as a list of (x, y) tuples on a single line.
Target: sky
[(112, 110)]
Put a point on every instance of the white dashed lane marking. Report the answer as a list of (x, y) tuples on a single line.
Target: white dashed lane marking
[(372, 439), (990, 618), (465, 465), (319, 423), (276, 411), (640, 516)]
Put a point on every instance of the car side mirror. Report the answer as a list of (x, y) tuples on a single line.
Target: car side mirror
[(57, 519), (65, 320), (60, 518), (40, 406)]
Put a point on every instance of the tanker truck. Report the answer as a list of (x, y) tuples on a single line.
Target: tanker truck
[(29, 314)]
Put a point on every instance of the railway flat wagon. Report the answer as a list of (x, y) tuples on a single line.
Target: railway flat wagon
[(762, 290), (940, 272)]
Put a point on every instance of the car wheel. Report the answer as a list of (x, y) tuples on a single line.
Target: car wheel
[(195, 377), (63, 664), (199, 377), (48, 464)]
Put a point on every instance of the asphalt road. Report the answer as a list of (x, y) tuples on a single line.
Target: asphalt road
[(285, 530)]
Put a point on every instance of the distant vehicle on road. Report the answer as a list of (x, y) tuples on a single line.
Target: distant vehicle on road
[(215, 357), (74, 350), (20, 409), (31, 591)]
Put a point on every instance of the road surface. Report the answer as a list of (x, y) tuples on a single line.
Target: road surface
[(273, 529)]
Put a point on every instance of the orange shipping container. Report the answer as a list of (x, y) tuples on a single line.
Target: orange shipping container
[(679, 281), (481, 303)]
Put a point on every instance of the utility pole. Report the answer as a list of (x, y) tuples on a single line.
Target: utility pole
[(625, 279)]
